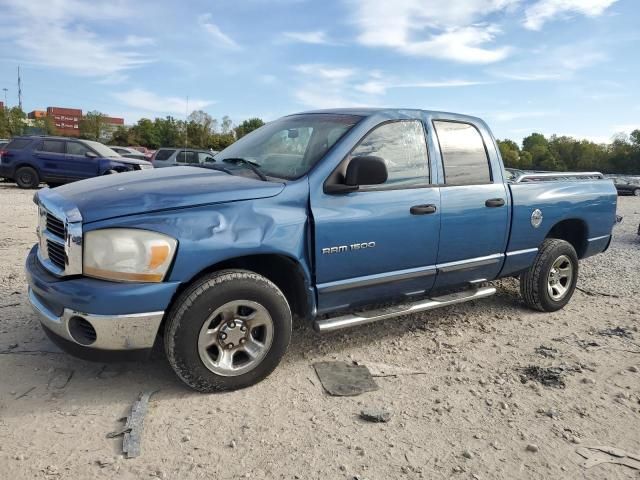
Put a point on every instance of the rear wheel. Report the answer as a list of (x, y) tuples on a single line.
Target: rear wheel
[(228, 331), (636, 192), (27, 177), (549, 283)]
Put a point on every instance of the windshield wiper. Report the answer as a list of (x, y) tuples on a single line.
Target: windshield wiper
[(220, 168), (255, 168)]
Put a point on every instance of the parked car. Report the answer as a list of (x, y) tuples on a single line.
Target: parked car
[(145, 151), (338, 217), (175, 157), (627, 186), (30, 160), (3, 143), (127, 152)]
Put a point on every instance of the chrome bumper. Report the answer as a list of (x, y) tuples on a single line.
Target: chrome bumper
[(102, 332)]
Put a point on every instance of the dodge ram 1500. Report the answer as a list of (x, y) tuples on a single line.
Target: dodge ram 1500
[(338, 217)]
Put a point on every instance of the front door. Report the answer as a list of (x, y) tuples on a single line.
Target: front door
[(379, 242), (475, 207), (78, 163)]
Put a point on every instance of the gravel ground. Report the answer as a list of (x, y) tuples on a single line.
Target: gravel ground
[(468, 415)]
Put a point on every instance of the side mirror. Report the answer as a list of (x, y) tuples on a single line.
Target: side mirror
[(367, 170), (90, 155)]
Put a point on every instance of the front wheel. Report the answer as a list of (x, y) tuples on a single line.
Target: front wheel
[(549, 283), (228, 331), (636, 192)]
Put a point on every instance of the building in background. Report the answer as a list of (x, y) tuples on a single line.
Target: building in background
[(110, 126), (1, 105), (66, 120), (36, 114)]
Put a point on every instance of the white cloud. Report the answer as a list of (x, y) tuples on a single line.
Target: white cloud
[(147, 101), (553, 63), (317, 37), (326, 72), (543, 11), (57, 34), (221, 38), (379, 87), (447, 29), (137, 41)]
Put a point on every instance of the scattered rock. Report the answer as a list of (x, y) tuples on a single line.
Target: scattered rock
[(375, 416), (467, 454), (532, 447), (633, 369), (185, 438), (588, 380), (105, 462), (232, 444), (616, 332), (547, 376), (547, 352), (504, 405)]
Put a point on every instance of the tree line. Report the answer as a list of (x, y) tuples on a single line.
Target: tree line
[(201, 130), (563, 153)]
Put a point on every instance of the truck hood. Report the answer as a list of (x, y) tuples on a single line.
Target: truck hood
[(153, 190)]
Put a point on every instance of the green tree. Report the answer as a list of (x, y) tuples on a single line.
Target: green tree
[(92, 125), (248, 126), (12, 122), (144, 133), (120, 137), (168, 132), (510, 153)]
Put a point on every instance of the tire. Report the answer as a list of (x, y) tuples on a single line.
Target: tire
[(27, 177), (636, 192), (213, 311), (543, 289)]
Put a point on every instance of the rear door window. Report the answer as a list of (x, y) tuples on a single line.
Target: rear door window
[(187, 156), (52, 146), (18, 143), (463, 154), (164, 154), (76, 148)]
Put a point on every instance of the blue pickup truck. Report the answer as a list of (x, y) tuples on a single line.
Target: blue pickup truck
[(338, 217)]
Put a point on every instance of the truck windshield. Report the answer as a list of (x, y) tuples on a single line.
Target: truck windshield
[(290, 146)]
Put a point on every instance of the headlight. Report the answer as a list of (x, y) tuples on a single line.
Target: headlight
[(127, 255)]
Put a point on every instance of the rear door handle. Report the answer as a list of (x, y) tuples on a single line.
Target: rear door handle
[(494, 202), (422, 209)]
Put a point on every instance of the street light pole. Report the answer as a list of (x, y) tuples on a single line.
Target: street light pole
[(5, 97)]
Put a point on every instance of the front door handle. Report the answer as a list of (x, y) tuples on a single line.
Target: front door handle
[(422, 209), (494, 202)]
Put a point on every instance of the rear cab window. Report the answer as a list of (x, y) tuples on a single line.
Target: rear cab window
[(464, 155), (18, 144), (187, 156)]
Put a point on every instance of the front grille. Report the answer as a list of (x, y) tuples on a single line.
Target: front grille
[(59, 236), (55, 226), (56, 254)]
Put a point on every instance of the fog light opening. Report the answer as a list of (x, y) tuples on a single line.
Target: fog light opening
[(82, 331)]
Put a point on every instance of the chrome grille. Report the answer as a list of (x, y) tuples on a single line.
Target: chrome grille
[(59, 234), (56, 254), (55, 226)]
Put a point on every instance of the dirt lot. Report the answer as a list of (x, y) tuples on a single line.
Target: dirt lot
[(468, 415)]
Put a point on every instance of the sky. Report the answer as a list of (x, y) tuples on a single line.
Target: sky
[(570, 67)]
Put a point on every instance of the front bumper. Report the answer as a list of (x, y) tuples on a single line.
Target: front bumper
[(124, 316), (102, 332)]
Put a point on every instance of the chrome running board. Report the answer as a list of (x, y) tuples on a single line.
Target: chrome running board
[(369, 316)]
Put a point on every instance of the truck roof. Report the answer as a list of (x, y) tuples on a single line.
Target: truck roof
[(393, 112)]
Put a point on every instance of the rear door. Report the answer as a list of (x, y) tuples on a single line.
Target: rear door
[(381, 241), (79, 165), (474, 204), (50, 156), (187, 157)]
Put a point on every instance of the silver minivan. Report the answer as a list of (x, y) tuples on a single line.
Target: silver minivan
[(175, 157)]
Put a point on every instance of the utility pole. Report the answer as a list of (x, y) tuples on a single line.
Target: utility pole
[(19, 89), (6, 105)]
